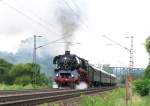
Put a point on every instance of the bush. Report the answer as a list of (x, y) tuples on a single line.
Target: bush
[(147, 72), (23, 80), (23, 74), (142, 86), (5, 67)]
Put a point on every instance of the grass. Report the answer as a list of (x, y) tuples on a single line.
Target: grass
[(115, 98), (20, 87), (140, 101)]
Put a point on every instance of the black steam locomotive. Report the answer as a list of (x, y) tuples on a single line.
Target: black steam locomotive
[(72, 70)]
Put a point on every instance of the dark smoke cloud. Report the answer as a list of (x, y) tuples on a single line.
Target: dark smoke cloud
[(69, 21)]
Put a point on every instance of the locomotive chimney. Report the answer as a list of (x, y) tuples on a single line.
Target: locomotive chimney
[(67, 52)]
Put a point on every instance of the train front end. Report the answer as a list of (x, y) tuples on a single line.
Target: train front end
[(66, 78), (66, 74)]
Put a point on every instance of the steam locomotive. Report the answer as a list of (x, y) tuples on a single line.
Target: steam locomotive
[(72, 70)]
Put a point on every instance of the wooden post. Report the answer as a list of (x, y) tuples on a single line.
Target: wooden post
[(128, 88)]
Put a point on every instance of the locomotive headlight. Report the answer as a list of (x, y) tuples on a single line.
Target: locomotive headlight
[(57, 75), (72, 75)]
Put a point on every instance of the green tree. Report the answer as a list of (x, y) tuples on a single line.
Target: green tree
[(24, 80), (5, 67), (24, 74), (147, 46), (147, 72), (142, 86)]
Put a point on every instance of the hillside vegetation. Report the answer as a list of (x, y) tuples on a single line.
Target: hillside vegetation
[(21, 75)]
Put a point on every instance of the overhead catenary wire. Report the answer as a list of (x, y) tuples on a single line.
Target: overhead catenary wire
[(104, 36), (39, 23), (27, 16), (32, 19), (55, 41), (81, 20), (37, 16), (115, 42), (45, 22), (36, 21)]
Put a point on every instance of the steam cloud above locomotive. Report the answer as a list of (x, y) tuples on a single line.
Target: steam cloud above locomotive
[(69, 22)]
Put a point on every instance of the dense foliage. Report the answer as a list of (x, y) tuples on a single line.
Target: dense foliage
[(147, 44), (142, 86), (21, 74), (147, 72), (25, 56), (4, 71)]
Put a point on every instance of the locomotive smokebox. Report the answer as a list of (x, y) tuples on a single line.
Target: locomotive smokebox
[(67, 52)]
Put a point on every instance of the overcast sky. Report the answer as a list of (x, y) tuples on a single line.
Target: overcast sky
[(117, 19)]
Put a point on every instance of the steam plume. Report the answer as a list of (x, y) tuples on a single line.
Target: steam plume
[(69, 22), (82, 85)]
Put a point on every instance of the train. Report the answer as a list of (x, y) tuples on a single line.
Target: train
[(72, 70)]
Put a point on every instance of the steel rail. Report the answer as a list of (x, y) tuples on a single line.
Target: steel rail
[(11, 92), (44, 98), (5, 98)]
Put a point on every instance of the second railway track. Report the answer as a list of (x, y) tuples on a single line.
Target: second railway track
[(12, 92), (36, 98)]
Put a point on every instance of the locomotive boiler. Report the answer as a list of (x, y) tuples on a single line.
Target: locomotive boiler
[(71, 71)]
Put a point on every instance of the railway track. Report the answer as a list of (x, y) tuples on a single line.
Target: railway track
[(38, 97), (9, 92)]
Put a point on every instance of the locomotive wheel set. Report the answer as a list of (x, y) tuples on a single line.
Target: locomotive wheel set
[(72, 71)]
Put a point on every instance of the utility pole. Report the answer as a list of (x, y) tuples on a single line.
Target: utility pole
[(128, 82), (34, 59), (34, 50), (131, 56), (129, 76), (131, 61)]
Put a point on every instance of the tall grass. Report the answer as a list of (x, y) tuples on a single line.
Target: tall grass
[(110, 99), (20, 87), (114, 98)]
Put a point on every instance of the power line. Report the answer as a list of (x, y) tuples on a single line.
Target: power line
[(37, 16), (81, 20), (55, 41), (27, 16), (115, 42), (78, 7)]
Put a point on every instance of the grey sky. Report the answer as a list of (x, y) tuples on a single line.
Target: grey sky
[(114, 18)]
